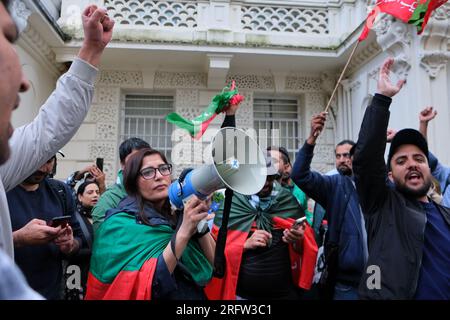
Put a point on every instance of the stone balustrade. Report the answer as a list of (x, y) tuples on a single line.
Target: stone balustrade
[(316, 24)]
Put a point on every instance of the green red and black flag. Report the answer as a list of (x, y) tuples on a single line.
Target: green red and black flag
[(243, 219), (197, 126), (125, 255), (415, 12), (423, 12)]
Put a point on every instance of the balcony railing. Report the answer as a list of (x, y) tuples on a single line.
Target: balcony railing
[(180, 14), (262, 23), (284, 19)]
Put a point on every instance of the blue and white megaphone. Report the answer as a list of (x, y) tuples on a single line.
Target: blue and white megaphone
[(238, 163)]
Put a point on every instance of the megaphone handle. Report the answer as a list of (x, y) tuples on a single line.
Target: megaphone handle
[(219, 257)]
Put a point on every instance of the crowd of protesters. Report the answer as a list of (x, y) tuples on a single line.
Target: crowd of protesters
[(379, 230)]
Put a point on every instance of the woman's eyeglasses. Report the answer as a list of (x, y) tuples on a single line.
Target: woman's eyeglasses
[(150, 172)]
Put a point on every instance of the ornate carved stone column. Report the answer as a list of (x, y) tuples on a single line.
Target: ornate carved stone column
[(395, 38), (19, 13), (434, 59)]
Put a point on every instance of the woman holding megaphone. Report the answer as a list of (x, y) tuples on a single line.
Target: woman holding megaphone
[(144, 250)]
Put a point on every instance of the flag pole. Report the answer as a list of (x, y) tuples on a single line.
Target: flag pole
[(342, 75), (316, 133)]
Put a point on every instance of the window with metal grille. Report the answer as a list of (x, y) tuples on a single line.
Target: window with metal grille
[(278, 114), (143, 117)]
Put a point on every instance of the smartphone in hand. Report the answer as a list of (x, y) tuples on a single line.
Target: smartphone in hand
[(299, 222), (99, 163), (62, 221)]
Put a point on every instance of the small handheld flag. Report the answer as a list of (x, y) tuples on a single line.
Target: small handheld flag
[(197, 126)]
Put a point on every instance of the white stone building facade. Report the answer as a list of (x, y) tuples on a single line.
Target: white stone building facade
[(285, 57)]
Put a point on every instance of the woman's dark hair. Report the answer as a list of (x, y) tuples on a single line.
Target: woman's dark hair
[(83, 187), (131, 175)]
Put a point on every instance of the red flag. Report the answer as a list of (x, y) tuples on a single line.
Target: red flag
[(416, 12), (400, 9)]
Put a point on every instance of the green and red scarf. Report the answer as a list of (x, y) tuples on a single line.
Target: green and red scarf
[(125, 255), (197, 126), (244, 218)]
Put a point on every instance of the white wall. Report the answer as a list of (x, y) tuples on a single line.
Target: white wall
[(42, 84)]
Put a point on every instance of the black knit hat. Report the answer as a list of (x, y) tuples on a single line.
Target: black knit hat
[(407, 136)]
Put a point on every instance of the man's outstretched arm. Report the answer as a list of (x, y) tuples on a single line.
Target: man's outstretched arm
[(64, 111), (369, 166)]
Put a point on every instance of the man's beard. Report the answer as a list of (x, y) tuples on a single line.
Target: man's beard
[(285, 177), (414, 193), (345, 171)]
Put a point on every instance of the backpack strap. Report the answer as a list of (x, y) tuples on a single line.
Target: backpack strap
[(59, 188), (87, 235)]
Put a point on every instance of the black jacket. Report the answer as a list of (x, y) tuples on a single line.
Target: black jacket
[(395, 224)]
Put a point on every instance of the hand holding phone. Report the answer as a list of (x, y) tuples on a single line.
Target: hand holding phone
[(62, 221), (298, 223), (99, 163)]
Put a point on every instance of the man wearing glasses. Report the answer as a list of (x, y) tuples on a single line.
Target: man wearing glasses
[(346, 235)]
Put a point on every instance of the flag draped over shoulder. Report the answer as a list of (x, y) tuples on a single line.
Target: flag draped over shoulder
[(243, 217), (416, 12), (125, 255), (197, 126)]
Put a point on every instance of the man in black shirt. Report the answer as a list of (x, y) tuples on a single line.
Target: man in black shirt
[(40, 248)]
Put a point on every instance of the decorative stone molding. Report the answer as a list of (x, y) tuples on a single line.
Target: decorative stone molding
[(106, 131), (38, 48), (300, 83), (434, 62), (435, 42), (19, 13), (314, 103), (105, 150), (252, 82), (122, 79), (355, 85), (323, 160), (395, 38), (383, 24), (443, 12), (110, 172), (327, 82), (284, 19), (323, 153), (365, 55), (244, 116), (180, 79), (105, 95), (186, 98), (374, 74), (103, 113), (302, 24), (179, 14)]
